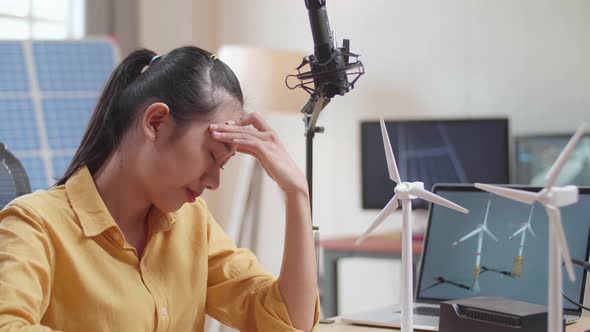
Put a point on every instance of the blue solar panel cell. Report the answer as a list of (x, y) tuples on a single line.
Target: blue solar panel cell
[(73, 66), (36, 171), (18, 126), (66, 120), (14, 77), (60, 164)]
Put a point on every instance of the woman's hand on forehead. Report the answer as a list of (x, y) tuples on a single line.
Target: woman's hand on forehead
[(254, 137)]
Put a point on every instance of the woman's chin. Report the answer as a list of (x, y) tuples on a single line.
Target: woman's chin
[(169, 206)]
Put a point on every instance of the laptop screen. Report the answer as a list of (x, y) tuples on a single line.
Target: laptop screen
[(467, 255)]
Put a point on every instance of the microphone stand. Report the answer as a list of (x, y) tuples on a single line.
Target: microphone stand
[(330, 67), (311, 111)]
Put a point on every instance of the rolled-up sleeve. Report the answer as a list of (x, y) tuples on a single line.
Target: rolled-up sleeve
[(240, 294), (25, 270)]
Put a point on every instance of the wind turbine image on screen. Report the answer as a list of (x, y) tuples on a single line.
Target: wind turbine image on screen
[(519, 260), (479, 231)]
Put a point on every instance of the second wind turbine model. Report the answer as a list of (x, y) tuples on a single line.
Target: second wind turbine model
[(518, 260), (406, 192), (552, 198), (479, 231)]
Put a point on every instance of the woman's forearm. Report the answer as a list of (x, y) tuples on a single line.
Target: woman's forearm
[(298, 278), (297, 281)]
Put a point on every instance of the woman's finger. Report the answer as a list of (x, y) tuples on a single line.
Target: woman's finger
[(239, 129), (230, 137), (255, 120), (251, 152), (244, 140), (249, 144), (253, 147)]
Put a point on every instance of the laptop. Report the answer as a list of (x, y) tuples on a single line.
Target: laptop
[(448, 266)]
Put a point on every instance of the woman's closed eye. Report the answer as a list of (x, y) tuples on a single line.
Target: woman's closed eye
[(215, 160)]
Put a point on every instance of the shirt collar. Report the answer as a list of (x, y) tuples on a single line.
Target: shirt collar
[(93, 214), (163, 221)]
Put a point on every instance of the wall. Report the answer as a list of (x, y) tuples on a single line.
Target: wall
[(157, 25), (114, 18)]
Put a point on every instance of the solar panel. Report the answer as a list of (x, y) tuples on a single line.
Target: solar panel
[(18, 126), (72, 66), (13, 68), (60, 164), (48, 90), (66, 120)]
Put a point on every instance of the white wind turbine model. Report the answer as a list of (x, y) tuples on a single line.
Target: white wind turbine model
[(404, 191), (518, 260), (552, 198), (479, 231)]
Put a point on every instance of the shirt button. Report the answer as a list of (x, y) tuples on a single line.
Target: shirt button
[(164, 312)]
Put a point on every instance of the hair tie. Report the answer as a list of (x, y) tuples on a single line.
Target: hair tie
[(213, 56), (154, 59)]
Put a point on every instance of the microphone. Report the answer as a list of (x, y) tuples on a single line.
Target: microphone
[(330, 66), (323, 44)]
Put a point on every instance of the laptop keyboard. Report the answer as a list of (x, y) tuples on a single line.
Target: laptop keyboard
[(427, 311)]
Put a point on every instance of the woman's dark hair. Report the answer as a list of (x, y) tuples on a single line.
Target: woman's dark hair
[(191, 81)]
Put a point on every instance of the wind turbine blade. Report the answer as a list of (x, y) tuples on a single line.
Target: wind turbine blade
[(472, 233), (387, 210), (555, 220), (487, 231), (520, 230), (522, 196), (555, 169), (434, 198), (391, 164), (531, 230)]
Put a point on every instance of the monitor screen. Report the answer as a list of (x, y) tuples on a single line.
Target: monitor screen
[(458, 151), (536, 154), (451, 256)]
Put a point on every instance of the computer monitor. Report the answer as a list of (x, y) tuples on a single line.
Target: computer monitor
[(535, 155), (432, 151), (450, 255)]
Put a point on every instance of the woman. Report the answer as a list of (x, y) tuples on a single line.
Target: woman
[(124, 243)]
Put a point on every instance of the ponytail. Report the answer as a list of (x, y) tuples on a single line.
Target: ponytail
[(108, 123)]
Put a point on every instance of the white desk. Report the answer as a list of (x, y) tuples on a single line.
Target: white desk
[(338, 326)]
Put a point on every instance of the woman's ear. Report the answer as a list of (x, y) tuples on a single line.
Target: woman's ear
[(155, 116)]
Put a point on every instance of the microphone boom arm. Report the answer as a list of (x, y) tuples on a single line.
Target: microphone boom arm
[(311, 110)]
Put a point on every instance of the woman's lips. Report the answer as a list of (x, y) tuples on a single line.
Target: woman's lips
[(192, 195)]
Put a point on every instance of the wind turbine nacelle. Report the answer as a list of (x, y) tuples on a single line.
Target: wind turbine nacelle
[(561, 196), (404, 189)]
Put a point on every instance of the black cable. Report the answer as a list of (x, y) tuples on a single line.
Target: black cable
[(586, 266), (574, 302)]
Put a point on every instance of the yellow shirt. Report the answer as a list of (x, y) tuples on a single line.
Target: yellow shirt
[(65, 265)]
